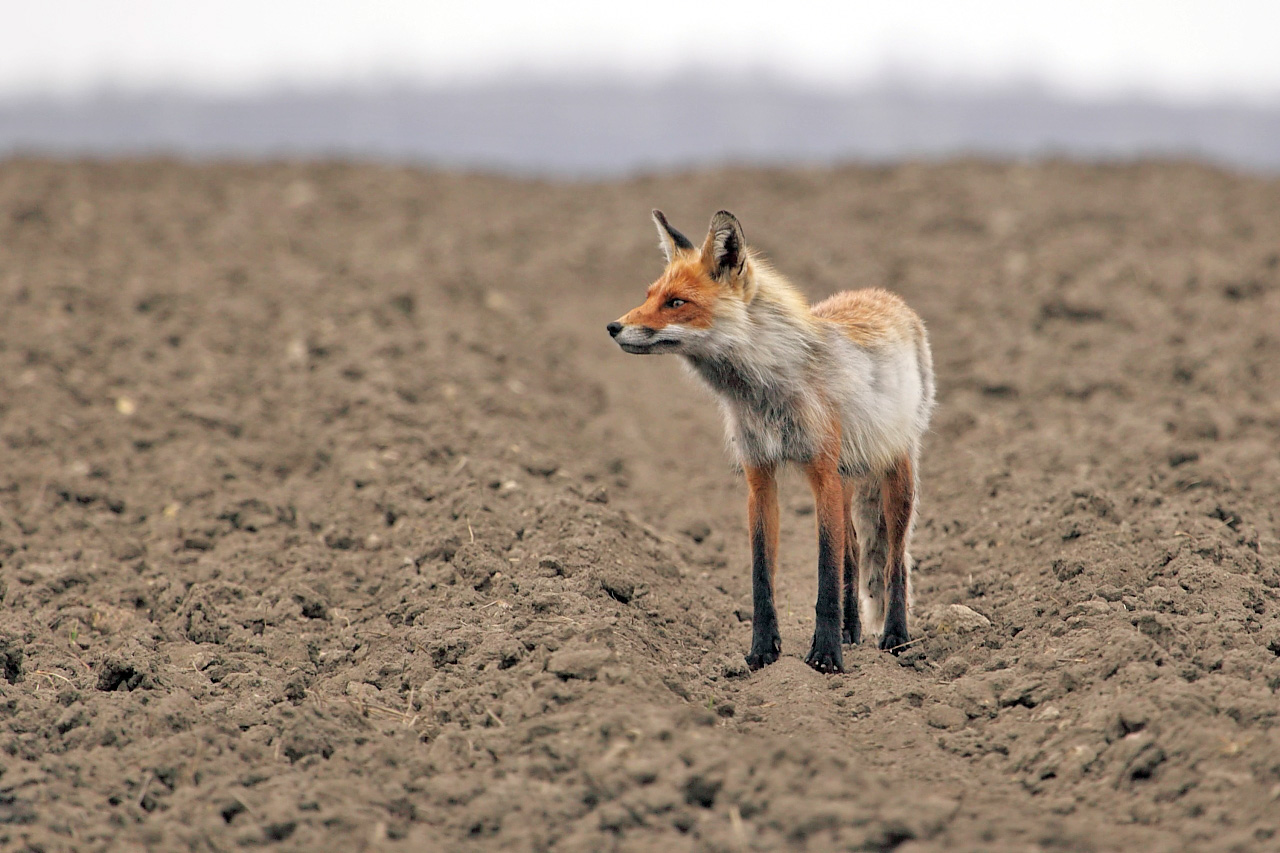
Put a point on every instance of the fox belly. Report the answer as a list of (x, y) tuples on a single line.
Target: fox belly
[(882, 405), (876, 398)]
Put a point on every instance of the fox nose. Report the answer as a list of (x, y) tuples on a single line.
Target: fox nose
[(614, 328)]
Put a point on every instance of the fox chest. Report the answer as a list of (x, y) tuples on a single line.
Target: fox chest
[(766, 424), (770, 436)]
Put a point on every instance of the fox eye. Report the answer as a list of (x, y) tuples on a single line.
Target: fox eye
[(675, 302)]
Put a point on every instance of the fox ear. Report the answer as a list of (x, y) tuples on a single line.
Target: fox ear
[(669, 239), (725, 251)]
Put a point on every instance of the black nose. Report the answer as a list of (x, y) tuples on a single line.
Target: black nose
[(614, 328)]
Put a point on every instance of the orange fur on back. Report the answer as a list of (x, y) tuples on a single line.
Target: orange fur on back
[(870, 317)]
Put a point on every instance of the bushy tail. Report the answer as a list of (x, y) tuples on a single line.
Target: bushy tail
[(867, 512)]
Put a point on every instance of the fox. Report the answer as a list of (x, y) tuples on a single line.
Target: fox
[(844, 389)]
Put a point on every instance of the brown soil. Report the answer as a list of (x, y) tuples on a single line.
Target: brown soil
[(330, 518)]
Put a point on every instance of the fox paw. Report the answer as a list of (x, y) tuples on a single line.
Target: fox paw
[(852, 634), (824, 655), (765, 649), (894, 639)]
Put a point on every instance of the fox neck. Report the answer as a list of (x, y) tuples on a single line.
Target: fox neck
[(761, 349)]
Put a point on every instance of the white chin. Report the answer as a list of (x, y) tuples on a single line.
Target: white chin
[(649, 347)]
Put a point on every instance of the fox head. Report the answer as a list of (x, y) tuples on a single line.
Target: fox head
[(699, 289)]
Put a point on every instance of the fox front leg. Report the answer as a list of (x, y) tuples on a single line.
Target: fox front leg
[(825, 655), (762, 518)]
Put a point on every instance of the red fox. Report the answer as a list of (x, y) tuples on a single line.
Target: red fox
[(843, 389)]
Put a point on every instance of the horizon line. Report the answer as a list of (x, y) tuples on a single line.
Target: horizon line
[(890, 80)]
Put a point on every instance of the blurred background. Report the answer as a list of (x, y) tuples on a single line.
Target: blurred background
[(574, 89)]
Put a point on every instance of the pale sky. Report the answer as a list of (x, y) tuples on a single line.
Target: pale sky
[(1181, 50)]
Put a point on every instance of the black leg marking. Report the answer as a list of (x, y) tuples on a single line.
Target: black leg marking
[(766, 644), (825, 654), (895, 637), (852, 618), (852, 615)]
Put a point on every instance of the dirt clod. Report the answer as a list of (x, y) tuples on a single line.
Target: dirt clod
[(578, 663)]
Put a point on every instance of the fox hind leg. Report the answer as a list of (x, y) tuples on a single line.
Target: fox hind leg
[(899, 495), (852, 618)]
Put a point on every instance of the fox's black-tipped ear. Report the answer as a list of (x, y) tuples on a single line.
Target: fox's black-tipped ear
[(669, 239), (725, 250)]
